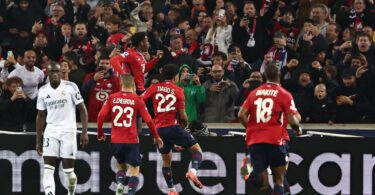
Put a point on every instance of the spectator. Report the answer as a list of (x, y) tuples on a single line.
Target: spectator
[(32, 77), (332, 37), (237, 69), (302, 90), (319, 14), (64, 70), (198, 8), (115, 35), (220, 97), (311, 43), (231, 9), (141, 15), (13, 104), (81, 45), (364, 46), (249, 32), (76, 73), (370, 31), (8, 66), (83, 9), (177, 55), (192, 44), (322, 109), (20, 20), (254, 81), (286, 25), (220, 34), (358, 16), (195, 93), (352, 106), (98, 86)]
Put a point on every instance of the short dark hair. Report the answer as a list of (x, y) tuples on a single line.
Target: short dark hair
[(233, 47), (272, 72), (220, 54), (169, 71), (71, 55), (137, 38), (309, 21), (363, 34), (103, 57)]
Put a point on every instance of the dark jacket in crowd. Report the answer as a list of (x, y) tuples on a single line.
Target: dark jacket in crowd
[(240, 36), (322, 111), (12, 113)]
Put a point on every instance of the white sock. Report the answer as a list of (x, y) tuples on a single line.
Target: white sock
[(70, 179), (49, 180), (193, 171)]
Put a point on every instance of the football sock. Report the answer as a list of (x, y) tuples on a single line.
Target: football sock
[(70, 179), (196, 160), (278, 190), (49, 180), (168, 176), (133, 184), (122, 178)]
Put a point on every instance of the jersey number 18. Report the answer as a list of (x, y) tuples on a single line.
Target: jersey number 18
[(264, 109)]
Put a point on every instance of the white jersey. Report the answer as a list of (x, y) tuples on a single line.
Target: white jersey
[(60, 104), (30, 80)]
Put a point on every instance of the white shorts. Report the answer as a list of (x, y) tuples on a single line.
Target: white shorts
[(61, 145)]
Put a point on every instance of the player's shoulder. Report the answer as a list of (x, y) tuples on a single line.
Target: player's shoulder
[(44, 88), (69, 84), (284, 91)]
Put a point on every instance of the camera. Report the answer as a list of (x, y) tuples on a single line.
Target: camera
[(189, 76), (100, 68)]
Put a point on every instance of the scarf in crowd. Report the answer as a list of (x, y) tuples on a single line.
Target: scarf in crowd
[(356, 20), (280, 56)]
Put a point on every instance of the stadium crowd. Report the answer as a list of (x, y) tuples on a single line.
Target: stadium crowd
[(324, 49)]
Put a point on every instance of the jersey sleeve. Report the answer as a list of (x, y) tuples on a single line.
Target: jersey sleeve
[(40, 104), (116, 61), (288, 104), (76, 95), (102, 115), (148, 93)]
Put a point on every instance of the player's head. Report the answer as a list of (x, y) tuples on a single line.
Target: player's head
[(140, 41), (54, 72), (272, 73), (127, 82), (170, 72)]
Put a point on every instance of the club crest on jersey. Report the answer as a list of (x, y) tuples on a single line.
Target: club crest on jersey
[(109, 85), (63, 93)]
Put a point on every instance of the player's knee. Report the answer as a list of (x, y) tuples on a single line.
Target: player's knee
[(259, 181), (195, 148), (70, 176)]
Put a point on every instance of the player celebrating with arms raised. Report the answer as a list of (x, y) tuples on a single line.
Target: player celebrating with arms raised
[(124, 107), (169, 101), (58, 100), (262, 115)]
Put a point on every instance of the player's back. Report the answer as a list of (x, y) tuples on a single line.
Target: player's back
[(124, 110), (167, 99), (267, 105)]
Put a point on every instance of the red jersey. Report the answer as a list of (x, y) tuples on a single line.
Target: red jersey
[(135, 64), (267, 104), (167, 99), (124, 108), (99, 93)]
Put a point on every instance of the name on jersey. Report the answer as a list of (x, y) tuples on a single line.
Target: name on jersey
[(267, 92), (57, 103), (123, 101), (165, 89)]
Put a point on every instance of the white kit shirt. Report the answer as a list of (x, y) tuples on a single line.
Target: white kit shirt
[(30, 80), (60, 104)]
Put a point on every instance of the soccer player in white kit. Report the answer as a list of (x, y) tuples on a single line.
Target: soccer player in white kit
[(57, 101)]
